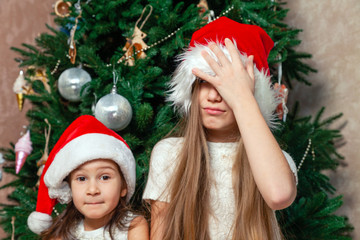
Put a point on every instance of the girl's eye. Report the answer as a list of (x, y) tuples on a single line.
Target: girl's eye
[(81, 179), (201, 81), (105, 177)]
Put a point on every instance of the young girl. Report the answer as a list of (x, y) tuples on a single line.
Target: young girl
[(92, 169), (226, 175)]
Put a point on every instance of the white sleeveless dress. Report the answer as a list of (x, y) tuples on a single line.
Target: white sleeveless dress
[(99, 234)]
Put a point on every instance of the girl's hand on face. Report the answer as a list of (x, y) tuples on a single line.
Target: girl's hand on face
[(232, 78)]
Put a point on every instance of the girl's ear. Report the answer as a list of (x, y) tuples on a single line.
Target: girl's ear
[(123, 192)]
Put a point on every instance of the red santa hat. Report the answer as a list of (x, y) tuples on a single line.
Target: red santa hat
[(84, 140), (249, 40)]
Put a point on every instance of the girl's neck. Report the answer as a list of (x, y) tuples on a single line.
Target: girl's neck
[(93, 224), (222, 136)]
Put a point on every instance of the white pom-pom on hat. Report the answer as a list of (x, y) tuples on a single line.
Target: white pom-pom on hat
[(38, 222)]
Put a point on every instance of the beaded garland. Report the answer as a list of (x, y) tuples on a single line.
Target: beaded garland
[(165, 38), (306, 153), (148, 47)]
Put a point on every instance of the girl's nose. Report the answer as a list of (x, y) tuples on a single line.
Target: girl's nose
[(93, 188), (213, 95)]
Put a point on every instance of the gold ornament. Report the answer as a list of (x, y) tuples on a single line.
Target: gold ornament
[(20, 100), (18, 89), (62, 9)]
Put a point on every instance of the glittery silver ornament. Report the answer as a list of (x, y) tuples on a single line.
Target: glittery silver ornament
[(71, 82), (114, 111)]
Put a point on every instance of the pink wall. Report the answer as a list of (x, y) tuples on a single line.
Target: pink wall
[(22, 21), (332, 35)]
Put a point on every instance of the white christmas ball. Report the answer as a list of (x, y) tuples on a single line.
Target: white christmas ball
[(71, 82), (114, 111)]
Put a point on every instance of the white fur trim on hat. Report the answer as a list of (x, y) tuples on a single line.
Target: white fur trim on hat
[(180, 85), (83, 149), (38, 222)]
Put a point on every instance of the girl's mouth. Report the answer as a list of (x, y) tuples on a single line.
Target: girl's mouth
[(94, 203), (213, 111)]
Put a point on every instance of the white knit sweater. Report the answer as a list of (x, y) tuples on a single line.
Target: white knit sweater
[(222, 199)]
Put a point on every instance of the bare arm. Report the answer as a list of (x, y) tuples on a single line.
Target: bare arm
[(139, 229), (158, 212), (235, 83)]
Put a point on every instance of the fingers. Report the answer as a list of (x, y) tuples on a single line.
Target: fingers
[(250, 67), (233, 51), (224, 67), (200, 74), (223, 60), (211, 61)]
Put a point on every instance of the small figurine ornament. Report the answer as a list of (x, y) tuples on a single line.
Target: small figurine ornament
[(22, 149), (136, 42), (282, 93), (203, 5), (72, 44), (71, 40), (40, 75)]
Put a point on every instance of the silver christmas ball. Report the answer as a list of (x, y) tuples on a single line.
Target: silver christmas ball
[(114, 111), (71, 82)]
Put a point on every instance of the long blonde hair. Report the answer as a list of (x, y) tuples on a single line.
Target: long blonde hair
[(189, 209)]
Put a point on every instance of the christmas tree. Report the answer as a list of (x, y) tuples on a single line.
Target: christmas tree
[(122, 53)]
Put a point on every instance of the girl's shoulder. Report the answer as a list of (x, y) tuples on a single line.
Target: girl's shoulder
[(164, 156), (168, 146), (139, 228), (170, 142)]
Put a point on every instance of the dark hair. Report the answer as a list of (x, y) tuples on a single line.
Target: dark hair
[(64, 223)]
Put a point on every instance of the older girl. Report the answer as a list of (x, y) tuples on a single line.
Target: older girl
[(226, 174)]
